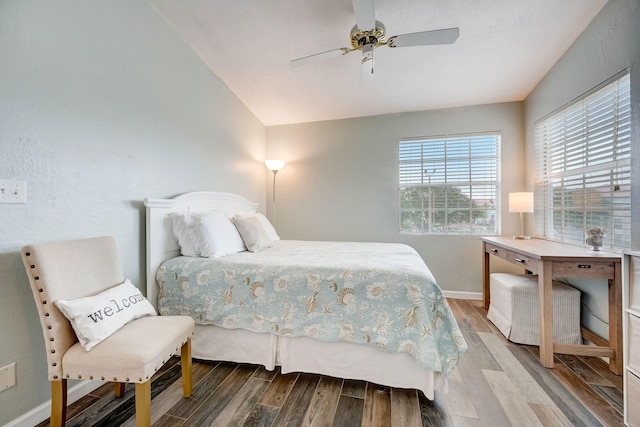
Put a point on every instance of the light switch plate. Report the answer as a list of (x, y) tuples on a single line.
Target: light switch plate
[(13, 191), (7, 376)]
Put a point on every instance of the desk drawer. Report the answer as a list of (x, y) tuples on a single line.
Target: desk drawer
[(583, 269), (524, 261), (496, 250)]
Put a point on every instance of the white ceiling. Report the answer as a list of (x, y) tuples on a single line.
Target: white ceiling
[(504, 49)]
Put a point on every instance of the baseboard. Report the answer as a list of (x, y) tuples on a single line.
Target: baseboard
[(463, 295), (42, 412)]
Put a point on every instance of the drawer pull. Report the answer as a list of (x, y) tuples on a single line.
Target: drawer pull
[(520, 260), (494, 251), (584, 266)]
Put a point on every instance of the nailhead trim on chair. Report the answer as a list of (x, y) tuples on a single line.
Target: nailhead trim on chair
[(140, 380), (44, 303)]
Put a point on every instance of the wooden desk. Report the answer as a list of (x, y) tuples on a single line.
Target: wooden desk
[(551, 259)]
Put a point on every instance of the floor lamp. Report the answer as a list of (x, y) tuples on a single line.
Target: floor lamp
[(520, 203), (274, 166)]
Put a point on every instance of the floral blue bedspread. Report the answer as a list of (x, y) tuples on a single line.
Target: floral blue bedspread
[(376, 294)]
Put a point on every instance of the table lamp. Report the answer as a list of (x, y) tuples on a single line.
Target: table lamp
[(520, 203)]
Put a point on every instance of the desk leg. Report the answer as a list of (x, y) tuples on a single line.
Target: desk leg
[(615, 319), (486, 289), (546, 314)]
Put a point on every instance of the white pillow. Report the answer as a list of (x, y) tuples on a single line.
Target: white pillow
[(96, 317), (216, 236), (273, 235), (182, 227), (207, 234), (253, 233)]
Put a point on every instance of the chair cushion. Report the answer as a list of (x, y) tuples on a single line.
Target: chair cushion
[(96, 317), (133, 353)]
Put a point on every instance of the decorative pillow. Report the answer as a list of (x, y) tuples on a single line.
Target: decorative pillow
[(96, 317), (253, 233), (273, 235), (216, 236)]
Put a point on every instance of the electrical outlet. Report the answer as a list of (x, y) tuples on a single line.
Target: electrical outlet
[(13, 191), (7, 376)]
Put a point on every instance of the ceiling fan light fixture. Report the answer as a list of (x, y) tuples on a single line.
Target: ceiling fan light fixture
[(367, 53), (366, 65)]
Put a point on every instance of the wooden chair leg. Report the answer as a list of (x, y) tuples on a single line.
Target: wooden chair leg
[(58, 403), (185, 359), (143, 404), (119, 389)]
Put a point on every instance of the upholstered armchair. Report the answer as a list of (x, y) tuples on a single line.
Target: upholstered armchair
[(83, 270)]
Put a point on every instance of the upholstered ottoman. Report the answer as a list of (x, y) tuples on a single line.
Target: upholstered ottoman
[(514, 309)]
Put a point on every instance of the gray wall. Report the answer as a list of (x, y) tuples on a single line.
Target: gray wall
[(341, 182), (610, 44), (102, 105)]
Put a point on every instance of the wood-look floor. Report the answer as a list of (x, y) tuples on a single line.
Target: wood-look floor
[(497, 383)]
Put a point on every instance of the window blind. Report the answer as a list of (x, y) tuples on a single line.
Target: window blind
[(449, 185), (584, 168)]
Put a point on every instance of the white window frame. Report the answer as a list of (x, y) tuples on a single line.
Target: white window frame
[(459, 169), (584, 167)]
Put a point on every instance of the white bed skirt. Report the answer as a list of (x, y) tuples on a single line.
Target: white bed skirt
[(336, 359)]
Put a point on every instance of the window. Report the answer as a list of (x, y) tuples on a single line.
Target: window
[(584, 167), (449, 184)]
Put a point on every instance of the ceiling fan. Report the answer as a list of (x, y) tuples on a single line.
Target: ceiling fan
[(369, 34)]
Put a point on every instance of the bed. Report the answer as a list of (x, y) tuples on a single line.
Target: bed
[(299, 305)]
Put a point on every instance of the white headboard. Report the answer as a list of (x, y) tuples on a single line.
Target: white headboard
[(161, 245)]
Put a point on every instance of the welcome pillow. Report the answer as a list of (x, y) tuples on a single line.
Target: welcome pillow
[(96, 317)]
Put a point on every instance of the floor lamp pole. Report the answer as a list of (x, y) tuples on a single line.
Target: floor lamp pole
[(274, 166), (273, 201)]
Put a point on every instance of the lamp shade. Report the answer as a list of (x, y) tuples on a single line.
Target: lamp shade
[(521, 202), (274, 164)]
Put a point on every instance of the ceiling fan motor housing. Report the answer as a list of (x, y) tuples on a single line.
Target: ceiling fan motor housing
[(375, 37)]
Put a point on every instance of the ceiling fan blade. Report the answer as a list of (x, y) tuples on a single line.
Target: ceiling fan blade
[(446, 36), (319, 56), (365, 14)]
